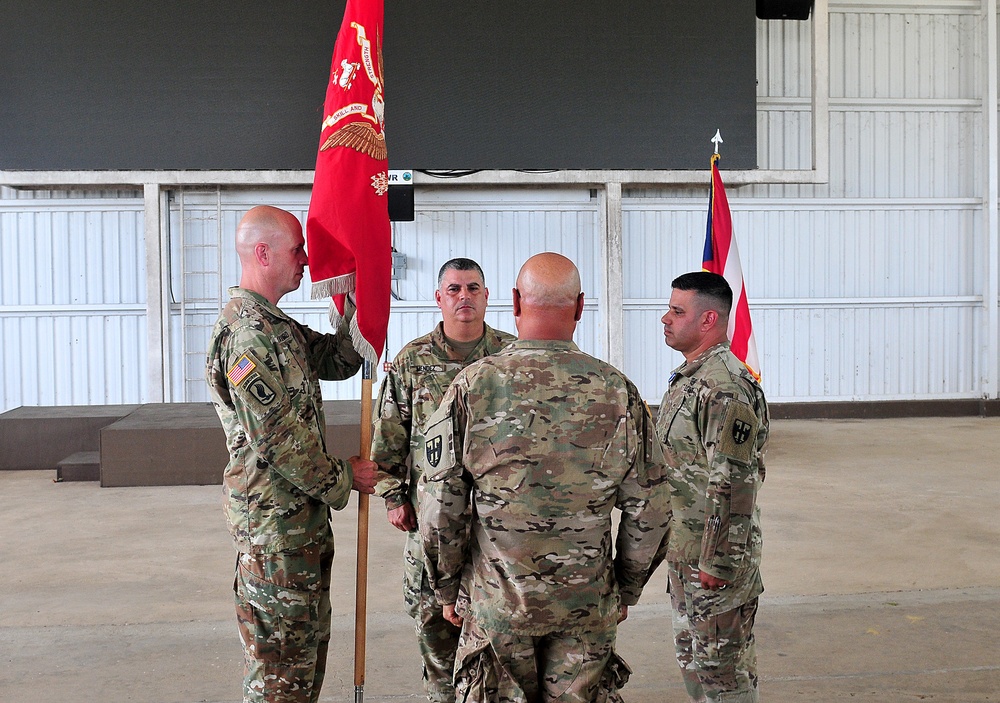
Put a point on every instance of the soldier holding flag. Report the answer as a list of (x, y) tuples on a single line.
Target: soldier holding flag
[(263, 375)]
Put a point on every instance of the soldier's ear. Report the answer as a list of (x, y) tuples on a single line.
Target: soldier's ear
[(516, 298), (578, 314), (711, 317), (261, 252)]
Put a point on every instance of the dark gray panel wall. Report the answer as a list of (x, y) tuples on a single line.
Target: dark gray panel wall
[(163, 85), (551, 84), (541, 84)]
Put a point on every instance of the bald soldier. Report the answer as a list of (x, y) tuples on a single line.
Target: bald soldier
[(713, 422), (542, 442), (263, 375)]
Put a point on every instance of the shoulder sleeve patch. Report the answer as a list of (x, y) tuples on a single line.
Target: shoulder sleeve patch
[(739, 432), (256, 386), (439, 448), (241, 369)]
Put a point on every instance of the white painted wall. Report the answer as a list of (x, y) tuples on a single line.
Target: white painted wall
[(880, 284)]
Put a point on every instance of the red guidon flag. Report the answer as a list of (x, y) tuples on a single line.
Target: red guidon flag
[(722, 257), (348, 230)]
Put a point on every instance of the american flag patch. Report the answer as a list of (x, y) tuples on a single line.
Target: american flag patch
[(243, 367)]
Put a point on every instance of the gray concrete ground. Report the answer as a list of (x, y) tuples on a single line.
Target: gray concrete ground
[(882, 568)]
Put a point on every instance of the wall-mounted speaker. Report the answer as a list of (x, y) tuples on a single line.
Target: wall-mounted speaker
[(784, 9), (401, 203)]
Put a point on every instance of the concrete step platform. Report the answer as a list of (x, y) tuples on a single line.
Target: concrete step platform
[(81, 466), (157, 444), (175, 444), (164, 444), (39, 437)]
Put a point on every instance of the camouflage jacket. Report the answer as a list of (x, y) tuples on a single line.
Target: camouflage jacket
[(263, 376), (713, 423), (411, 391), (544, 441)]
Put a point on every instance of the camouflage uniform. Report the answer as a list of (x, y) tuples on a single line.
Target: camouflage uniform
[(263, 375), (713, 423), (411, 391), (543, 441)]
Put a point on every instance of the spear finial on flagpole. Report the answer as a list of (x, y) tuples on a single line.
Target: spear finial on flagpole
[(717, 140)]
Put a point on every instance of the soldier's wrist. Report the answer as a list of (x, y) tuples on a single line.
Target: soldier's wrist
[(395, 501)]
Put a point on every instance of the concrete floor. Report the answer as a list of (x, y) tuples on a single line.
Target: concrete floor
[(881, 563)]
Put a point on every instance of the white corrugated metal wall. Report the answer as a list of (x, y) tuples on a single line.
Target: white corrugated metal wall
[(869, 287), (494, 229), (72, 300)]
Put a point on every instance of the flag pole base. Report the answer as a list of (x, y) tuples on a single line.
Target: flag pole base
[(359, 694)]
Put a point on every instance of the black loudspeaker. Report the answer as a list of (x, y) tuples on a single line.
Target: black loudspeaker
[(784, 9), (401, 203)]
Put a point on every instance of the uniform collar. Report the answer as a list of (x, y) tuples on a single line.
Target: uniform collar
[(556, 344), (689, 368), (256, 299), (441, 342)]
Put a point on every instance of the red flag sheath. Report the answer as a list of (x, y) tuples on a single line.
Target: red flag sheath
[(723, 257), (347, 230)]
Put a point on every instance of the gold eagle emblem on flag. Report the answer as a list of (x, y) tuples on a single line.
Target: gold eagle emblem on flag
[(360, 137)]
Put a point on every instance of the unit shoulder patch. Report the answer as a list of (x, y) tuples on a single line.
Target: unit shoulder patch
[(256, 385), (260, 390), (738, 439), (439, 449)]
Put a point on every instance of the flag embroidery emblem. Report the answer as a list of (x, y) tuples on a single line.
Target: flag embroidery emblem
[(240, 371)]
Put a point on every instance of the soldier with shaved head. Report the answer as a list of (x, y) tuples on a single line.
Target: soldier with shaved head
[(263, 374), (542, 443)]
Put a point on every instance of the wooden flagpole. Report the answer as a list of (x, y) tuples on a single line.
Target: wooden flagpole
[(361, 588)]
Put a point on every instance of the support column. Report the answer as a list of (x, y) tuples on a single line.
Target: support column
[(157, 301), (821, 91), (991, 292), (613, 283)]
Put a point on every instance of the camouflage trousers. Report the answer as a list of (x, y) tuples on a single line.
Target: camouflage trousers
[(283, 611), (436, 637), (715, 650), (495, 667)]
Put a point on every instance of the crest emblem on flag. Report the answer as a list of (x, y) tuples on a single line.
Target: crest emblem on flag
[(358, 134)]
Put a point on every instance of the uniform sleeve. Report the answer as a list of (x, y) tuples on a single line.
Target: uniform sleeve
[(729, 428), (282, 438), (333, 356), (445, 489), (391, 438), (644, 500)]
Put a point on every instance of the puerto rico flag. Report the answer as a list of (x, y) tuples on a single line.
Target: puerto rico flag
[(348, 230), (723, 257)]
